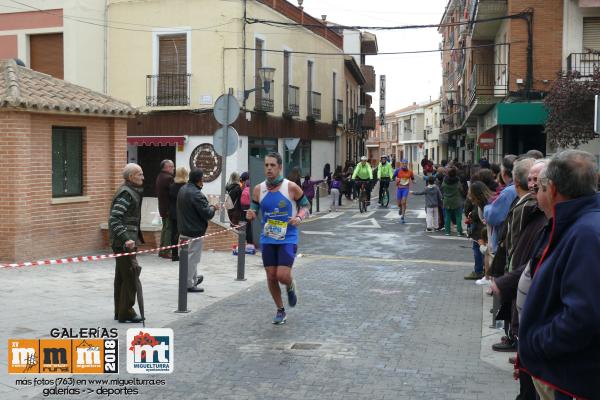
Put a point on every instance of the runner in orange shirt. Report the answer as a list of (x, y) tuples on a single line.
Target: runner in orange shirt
[(403, 177)]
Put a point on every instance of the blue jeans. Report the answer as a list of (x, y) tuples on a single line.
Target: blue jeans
[(478, 258)]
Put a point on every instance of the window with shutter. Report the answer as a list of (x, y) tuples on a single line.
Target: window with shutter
[(46, 54), (591, 34), (172, 87), (67, 162)]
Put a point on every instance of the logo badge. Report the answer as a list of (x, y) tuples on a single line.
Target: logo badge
[(23, 356), (55, 356), (150, 351)]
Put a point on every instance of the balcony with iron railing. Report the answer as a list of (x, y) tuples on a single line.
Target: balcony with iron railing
[(263, 101), (583, 63), (486, 9), (292, 102), (168, 90), (489, 83), (339, 111), (314, 105)]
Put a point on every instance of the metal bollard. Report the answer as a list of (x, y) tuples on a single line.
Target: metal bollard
[(241, 256), (183, 269), (317, 194)]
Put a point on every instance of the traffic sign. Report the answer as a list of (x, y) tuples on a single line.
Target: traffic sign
[(232, 140), (227, 109), (487, 140)]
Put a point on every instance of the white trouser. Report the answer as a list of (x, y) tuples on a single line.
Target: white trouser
[(335, 195), (431, 217)]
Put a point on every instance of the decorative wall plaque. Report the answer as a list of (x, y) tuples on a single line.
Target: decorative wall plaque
[(205, 158)]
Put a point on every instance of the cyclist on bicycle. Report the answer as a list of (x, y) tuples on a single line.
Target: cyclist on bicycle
[(363, 174), (384, 174)]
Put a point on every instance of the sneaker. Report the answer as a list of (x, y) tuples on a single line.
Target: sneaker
[(473, 276), (291, 292), (510, 345), (428, 230), (279, 318), (447, 234), (483, 281)]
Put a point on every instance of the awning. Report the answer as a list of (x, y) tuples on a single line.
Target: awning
[(533, 113), (156, 140)]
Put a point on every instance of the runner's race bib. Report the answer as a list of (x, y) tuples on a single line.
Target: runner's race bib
[(404, 181), (275, 229)]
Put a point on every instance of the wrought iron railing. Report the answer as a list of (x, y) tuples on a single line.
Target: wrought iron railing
[(583, 63), (264, 101), (314, 105), (339, 111), (168, 90), (292, 107), (488, 80)]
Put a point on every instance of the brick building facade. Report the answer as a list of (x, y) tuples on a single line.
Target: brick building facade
[(53, 200)]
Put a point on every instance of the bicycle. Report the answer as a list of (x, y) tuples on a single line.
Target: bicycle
[(363, 197), (384, 192)]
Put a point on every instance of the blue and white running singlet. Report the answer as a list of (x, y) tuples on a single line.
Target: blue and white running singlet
[(277, 208)]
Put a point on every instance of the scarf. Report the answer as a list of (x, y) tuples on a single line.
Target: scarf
[(272, 184)]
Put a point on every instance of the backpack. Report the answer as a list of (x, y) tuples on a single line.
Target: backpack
[(245, 198), (229, 204)]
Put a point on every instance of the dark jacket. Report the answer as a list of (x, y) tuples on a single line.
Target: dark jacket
[(125, 216), (193, 211), (308, 187), (173, 192), (234, 190), (476, 226), (559, 335), (163, 181), (452, 193)]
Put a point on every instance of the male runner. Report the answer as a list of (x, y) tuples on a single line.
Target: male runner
[(403, 176), (283, 206)]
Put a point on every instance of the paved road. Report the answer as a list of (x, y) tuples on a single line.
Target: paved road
[(383, 313)]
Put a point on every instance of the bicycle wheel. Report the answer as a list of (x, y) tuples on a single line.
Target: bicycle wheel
[(385, 199)]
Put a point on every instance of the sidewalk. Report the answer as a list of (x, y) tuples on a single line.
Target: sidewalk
[(37, 299)]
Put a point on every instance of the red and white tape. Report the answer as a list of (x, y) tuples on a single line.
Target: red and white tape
[(79, 259)]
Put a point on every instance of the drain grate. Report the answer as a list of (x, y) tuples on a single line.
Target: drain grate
[(305, 346)]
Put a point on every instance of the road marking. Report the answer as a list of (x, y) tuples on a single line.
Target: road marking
[(333, 214), (318, 233), (449, 237), (363, 215), (392, 215), (367, 223), (419, 213), (397, 260)]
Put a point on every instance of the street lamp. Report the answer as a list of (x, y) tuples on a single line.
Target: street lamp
[(266, 76)]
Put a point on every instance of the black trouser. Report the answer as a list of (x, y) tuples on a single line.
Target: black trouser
[(174, 240), (249, 237), (125, 275), (358, 183), (384, 184)]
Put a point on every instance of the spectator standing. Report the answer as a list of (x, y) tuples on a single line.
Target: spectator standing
[(327, 175), (478, 197), (560, 324), (162, 184), (453, 202), (181, 177), (336, 185), (193, 214), (245, 200), (234, 191), (308, 187), (433, 200), (495, 214), (125, 234), (295, 176)]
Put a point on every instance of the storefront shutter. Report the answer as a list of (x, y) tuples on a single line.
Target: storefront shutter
[(591, 34)]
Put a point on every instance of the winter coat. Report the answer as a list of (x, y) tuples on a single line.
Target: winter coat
[(173, 192), (163, 182), (559, 335), (193, 211), (451, 192)]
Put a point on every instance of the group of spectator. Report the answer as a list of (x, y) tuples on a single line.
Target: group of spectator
[(535, 229)]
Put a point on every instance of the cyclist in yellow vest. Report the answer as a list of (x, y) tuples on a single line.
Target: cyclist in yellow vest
[(385, 172), (363, 174)]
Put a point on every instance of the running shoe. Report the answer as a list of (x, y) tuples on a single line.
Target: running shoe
[(279, 318), (483, 281), (292, 297)]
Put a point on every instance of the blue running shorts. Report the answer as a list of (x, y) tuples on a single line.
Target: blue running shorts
[(279, 255), (401, 193)]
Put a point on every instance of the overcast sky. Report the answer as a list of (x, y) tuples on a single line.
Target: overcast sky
[(409, 78)]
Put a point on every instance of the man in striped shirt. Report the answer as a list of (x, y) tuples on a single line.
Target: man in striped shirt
[(125, 234)]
